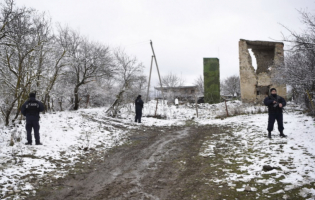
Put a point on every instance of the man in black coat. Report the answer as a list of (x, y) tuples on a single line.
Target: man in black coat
[(139, 106), (31, 109), (275, 105)]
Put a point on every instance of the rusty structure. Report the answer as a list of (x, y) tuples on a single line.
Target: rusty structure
[(256, 83)]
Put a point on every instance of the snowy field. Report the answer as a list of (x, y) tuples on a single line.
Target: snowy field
[(293, 158), (189, 112), (70, 136), (66, 136)]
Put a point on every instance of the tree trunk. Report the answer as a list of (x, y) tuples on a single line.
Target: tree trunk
[(60, 104), (7, 117), (8, 112), (48, 102), (16, 114), (44, 102), (18, 110), (76, 98), (115, 106), (52, 104), (87, 100)]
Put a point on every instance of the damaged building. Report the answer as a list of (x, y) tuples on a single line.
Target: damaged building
[(183, 93), (255, 83)]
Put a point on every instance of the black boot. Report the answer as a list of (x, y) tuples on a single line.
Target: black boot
[(269, 135), (282, 135), (27, 143)]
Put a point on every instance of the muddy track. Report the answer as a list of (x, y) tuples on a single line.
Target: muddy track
[(157, 163), (142, 169), (171, 163)]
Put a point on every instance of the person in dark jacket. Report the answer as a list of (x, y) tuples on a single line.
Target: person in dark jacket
[(31, 109), (139, 107), (275, 105)]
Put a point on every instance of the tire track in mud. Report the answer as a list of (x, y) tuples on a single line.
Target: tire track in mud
[(128, 171), (143, 164)]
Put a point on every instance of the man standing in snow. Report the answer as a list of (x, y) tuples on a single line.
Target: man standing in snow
[(139, 106), (275, 105), (176, 102), (31, 109)]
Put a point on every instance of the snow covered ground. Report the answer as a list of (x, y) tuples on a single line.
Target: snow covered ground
[(189, 111), (69, 136), (293, 158)]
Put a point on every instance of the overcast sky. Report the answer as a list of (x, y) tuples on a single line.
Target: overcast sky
[(183, 31)]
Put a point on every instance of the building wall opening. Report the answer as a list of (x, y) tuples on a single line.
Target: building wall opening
[(262, 90), (253, 58)]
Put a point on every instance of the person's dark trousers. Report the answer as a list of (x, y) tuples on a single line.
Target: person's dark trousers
[(32, 124), (138, 115), (271, 121)]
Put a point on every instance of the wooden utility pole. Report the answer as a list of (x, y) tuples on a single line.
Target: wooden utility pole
[(157, 67), (149, 79), (157, 102)]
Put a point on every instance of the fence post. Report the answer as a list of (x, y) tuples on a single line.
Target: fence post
[(227, 112)]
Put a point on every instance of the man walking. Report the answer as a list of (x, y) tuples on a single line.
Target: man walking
[(31, 109), (275, 105), (139, 106)]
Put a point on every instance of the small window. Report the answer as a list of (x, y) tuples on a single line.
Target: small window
[(258, 93)]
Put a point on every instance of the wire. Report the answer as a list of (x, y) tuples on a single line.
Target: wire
[(137, 43)]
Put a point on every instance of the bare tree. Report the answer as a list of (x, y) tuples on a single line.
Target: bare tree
[(7, 15), (18, 56), (305, 39), (128, 70), (172, 80), (88, 61), (298, 70), (56, 63), (61, 67), (200, 84), (139, 86), (231, 86)]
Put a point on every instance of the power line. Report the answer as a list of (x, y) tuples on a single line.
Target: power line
[(146, 41)]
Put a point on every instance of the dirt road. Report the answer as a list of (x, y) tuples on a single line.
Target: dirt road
[(148, 167), (157, 163)]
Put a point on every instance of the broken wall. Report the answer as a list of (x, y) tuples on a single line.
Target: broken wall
[(255, 83)]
